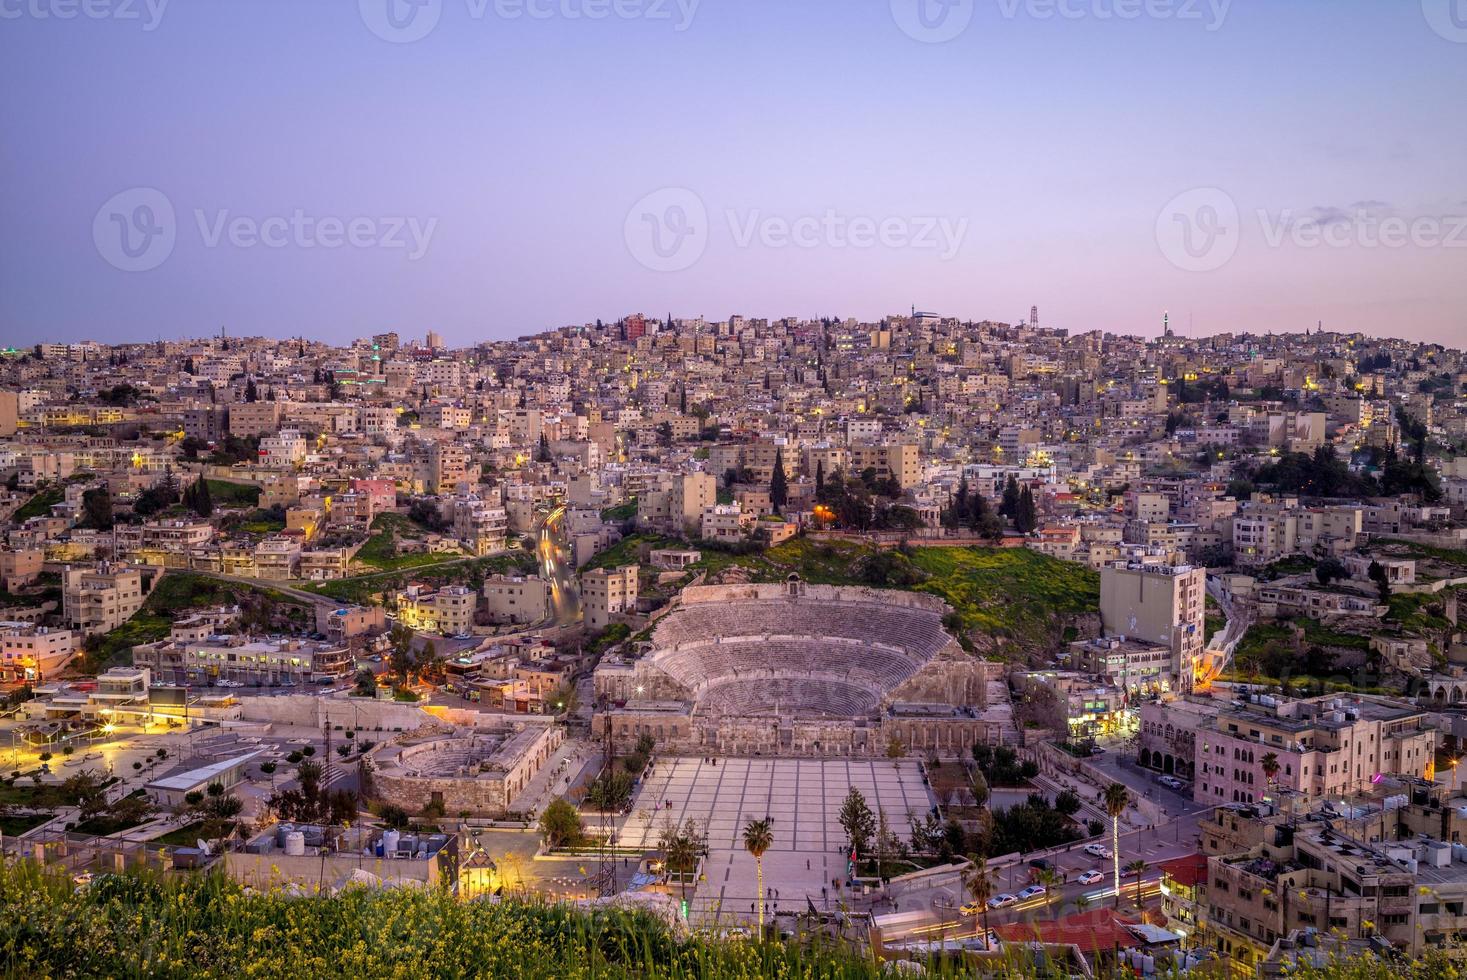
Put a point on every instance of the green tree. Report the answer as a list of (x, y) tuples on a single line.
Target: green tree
[(560, 824), (1010, 503), (758, 838), (400, 656), (779, 491), (97, 508), (858, 821), (1026, 518), (980, 886), (1137, 868)]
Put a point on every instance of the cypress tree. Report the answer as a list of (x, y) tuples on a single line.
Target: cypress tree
[(779, 491)]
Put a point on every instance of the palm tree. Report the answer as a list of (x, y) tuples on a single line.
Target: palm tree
[(1116, 799), (1082, 903), (976, 879), (758, 837), (682, 857), (1270, 769), (1139, 867)]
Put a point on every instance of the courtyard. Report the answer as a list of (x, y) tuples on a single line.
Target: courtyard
[(807, 862)]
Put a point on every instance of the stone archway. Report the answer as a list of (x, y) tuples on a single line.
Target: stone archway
[(1146, 758), (1169, 765)]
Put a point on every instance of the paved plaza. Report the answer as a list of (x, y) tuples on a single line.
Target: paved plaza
[(803, 798)]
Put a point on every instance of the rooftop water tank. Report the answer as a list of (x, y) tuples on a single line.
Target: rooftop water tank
[(295, 844), (389, 842)]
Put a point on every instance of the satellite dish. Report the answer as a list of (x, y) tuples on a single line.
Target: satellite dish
[(203, 846)]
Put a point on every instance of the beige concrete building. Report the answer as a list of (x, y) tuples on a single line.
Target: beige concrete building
[(20, 568), (606, 593), (676, 502), (1158, 603), (30, 653), (517, 599), (897, 461), (449, 610), (100, 599)]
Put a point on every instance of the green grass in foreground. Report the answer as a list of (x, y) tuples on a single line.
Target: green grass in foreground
[(205, 926)]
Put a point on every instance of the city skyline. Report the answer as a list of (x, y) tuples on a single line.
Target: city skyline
[(1249, 169)]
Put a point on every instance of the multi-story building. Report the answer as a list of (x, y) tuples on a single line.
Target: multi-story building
[(211, 423), (1133, 665), (676, 502), (100, 599), (20, 568), (480, 526), (254, 419), (30, 654), (283, 450), (897, 461), (1157, 602), (1325, 746), (608, 592), (166, 543), (244, 660), (448, 466), (517, 599), (448, 610)]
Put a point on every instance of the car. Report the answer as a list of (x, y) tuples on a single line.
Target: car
[(1091, 878), (1097, 850), (972, 908), (1128, 872), (1171, 781), (1096, 750), (1033, 891), (1002, 900)]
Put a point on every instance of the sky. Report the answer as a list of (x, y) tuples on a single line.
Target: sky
[(492, 168)]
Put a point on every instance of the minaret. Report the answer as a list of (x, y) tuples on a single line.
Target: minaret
[(1166, 324)]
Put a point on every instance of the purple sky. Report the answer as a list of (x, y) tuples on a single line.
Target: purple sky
[(822, 160)]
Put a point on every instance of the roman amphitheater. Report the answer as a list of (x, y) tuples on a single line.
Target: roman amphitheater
[(798, 669)]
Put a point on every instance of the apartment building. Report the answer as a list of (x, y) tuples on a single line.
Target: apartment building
[(1327, 746), (517, 599), (1153, 601), (254, 419), (480, 526), (30, 654), (20, 568), (283, 450), (100, 599), (899, 462), (243, 660), (447, 467), (165, 543), (448, 610), (1133, 665), (607, 592), (675, 502)]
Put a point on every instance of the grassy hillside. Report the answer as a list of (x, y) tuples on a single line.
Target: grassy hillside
[(1006, 598)]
